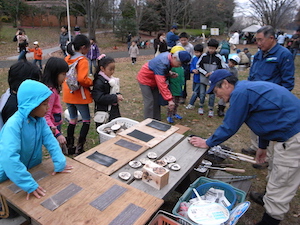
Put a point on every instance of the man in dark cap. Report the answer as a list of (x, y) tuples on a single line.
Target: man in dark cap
[(272, 113), (171, 37)]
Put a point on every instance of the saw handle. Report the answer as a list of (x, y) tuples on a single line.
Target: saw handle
[(234, 170)]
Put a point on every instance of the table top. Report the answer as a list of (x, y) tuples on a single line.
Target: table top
[(120, 199), (176, 145)]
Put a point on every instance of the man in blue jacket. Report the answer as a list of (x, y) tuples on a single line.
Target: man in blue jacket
[(272, 113), (273, 63), (171, 37)]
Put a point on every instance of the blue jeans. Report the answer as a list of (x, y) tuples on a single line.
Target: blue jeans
[(211, 100), (92, 64), (196, 93), (225, 52), (82, 108), (39, 61), (22, 55), (294, 52)]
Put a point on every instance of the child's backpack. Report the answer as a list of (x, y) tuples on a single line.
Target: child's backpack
[(71, 76)]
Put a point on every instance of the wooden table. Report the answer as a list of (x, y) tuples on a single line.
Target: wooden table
[(187, 157), (78, 209)]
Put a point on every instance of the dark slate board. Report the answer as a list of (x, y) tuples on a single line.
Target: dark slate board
[(158, 125), (102, 159), (128, 145), (141, 135)]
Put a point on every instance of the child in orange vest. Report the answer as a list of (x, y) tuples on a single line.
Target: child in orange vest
[(37, 54)]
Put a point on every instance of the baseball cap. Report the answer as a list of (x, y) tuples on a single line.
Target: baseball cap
[(176, 49), (236, 59), (246, 49), (36, 43), (215, 77), (174, 27), (184, 57)]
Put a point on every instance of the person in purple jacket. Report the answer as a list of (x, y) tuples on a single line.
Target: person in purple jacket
[(93, 54)]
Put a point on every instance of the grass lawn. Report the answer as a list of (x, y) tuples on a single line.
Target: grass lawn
[(132, 108)]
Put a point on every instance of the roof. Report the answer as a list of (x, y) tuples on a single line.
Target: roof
[(253, 28)]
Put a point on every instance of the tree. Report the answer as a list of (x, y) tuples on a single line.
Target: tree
[(276, 13), (14, 8)]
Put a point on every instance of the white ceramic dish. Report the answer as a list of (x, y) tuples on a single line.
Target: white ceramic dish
[(170, 159), (124, 175), (135, 164), (174, 166), (161, 162), (138, 174), (152, 155)]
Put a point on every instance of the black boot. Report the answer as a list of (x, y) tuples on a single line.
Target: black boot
[(268, 220), (70, 145), (257, 197), (80, 144), (221, 109)]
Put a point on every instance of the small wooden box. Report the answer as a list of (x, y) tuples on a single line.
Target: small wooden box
[(155, 175)]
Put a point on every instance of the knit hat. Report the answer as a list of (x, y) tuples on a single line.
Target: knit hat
[(184, 57), (215, 77), (176, 49)]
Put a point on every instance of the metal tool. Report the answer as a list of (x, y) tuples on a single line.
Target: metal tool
[(235, 178), (237, 154), (221, 168)]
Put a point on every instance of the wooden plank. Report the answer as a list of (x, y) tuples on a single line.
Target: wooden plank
[(187, 157), (158, 134), (122, 154), (182, 129), (77, 210), (161, 149)]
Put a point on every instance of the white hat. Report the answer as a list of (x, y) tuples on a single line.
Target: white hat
[(236, 59), (36, 43)]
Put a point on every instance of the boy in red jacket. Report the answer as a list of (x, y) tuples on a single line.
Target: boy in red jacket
[(37, 54)]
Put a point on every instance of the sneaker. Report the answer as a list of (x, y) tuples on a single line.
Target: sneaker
[(248, 151), (170, 119), (200, 111), (257, 197), (260, 166), (189, 106), (210, 113), (176, 116)]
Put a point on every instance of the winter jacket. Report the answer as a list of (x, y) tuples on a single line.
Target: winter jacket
[(276, 66), (103, 98), (208, 63), (171, 39), (133, 51), (76, 97), (22, 137), (193, 66), (37, 53), (54, 113), (269, 110), (154, 73), (94, 52)]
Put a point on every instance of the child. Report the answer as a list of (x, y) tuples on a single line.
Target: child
[(93, 55), (176, 84), (37, 54), (18, 72), (233, 61), (106, 88), (207, 63), (198, 49), (79, 99), (184, 42), (133, 52), (22, 138), (54, 75)]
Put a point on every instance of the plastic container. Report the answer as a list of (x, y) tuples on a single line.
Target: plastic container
[(165, 218), (104, 136), (227, 188), (240, 195)]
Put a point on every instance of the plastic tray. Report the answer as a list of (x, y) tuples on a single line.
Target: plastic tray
[(104, 136), (240, 195), (165, 218)]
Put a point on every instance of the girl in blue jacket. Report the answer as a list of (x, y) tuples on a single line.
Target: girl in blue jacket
[(22, 137)]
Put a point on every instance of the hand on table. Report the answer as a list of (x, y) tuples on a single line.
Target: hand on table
[(38, 193), (67, 169), (198, 142), (261, 155)]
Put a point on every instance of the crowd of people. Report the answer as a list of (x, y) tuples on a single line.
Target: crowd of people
[(267, 105)]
